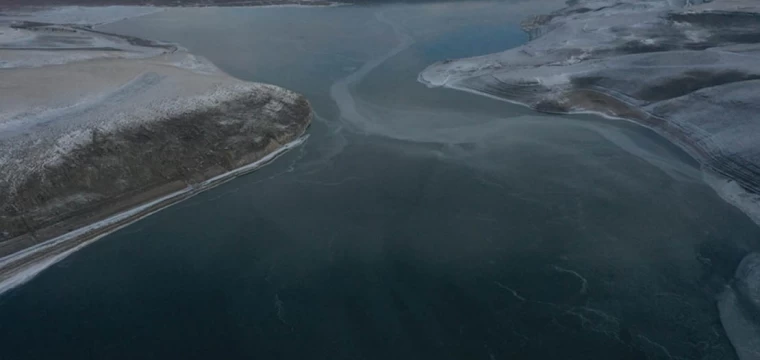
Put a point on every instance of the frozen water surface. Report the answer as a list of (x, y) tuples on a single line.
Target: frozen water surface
[(415, 223)]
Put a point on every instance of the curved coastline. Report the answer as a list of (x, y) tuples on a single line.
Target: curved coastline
[(148, 125), (687, 70), (680, 71), (20, 267)]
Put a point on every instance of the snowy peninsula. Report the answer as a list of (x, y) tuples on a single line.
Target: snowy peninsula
[(98, 130)]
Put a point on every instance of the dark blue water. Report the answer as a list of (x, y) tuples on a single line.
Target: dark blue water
[(426, 224)]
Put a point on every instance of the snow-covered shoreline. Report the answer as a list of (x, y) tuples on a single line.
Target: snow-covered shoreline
[(81, 15), (687, 70), (98, 15), (728, 189), (20, 274), (649, 62), (100, 130)]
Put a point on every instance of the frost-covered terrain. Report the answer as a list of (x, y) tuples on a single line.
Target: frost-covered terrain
[(689, 69), (33, 44), (689, 72), (739, 307), (95, 124), (80, 15), (14, 4)]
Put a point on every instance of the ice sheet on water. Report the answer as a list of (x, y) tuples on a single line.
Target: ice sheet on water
[(734, 194), (738, 305)]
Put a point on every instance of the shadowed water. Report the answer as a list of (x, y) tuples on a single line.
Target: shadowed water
[(415, 223)]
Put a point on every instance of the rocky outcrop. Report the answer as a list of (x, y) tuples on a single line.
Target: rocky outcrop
[(81, 141), (688, 69)]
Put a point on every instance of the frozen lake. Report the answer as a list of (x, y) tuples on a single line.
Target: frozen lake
[(414, 223)]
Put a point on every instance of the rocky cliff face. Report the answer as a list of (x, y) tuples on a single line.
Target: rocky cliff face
[(687, 69), (82, 140)]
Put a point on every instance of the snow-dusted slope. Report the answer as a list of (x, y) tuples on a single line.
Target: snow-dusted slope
[(95, 124), (33, 44), (688, 69), (81, 15), (685, 68)]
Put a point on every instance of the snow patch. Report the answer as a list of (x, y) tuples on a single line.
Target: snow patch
[(554, 80), (66, 144), (35, 58), (735, 195), (82, 15), (195, 63), (10, 35)]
